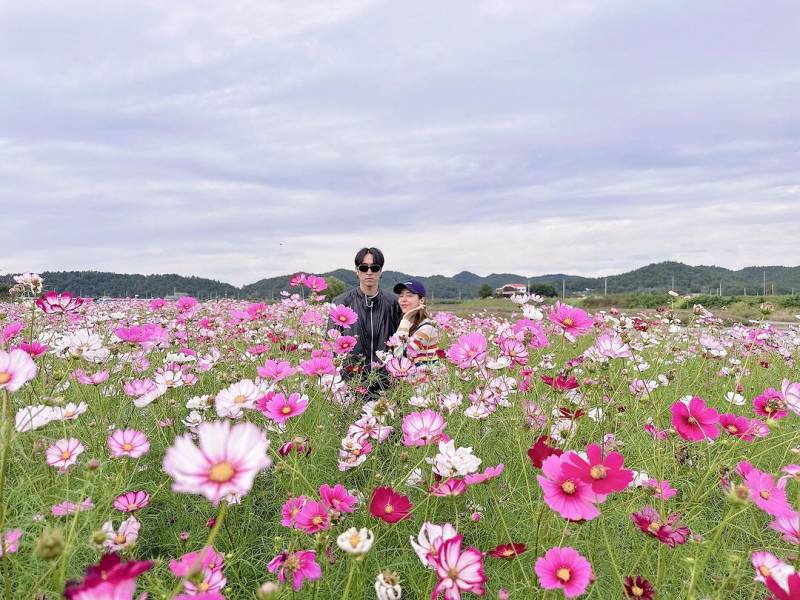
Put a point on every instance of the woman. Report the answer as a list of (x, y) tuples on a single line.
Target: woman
[(418, 334)]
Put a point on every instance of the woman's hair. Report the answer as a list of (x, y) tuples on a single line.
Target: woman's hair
[(418, 318)]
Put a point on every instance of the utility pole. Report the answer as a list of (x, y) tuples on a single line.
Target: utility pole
[(605, 286), (720, 288), (563, 288), (673, 283), (765, 283)]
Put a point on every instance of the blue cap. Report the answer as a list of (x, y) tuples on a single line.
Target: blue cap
[(412, 285)]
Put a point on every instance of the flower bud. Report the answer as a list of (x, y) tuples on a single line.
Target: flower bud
[(50, 544), (268, 591)]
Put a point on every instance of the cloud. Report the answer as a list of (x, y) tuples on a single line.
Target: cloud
[(256, 138)]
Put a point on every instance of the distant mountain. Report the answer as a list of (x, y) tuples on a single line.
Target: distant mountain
[(656, 277)]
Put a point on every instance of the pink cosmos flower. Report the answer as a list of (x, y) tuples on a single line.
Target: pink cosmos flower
[(85, 379), (299, 566), (449, 487), (768, 495), (16, 369), (157, 303), (401, 367), (668, 532), (740, 427), (429, 540), (124, 537), (791, 395), (344, 344), (313, 517), (281, 408), (131, 501), (422, 428), (655, 432), (319, 366), (610, 345), (10, 331), (34, 349), (342, 315), (560, 382), (458, 570), (469, 351), (767, 564), (661, 489), (186, 303), (227, 461), (110, 579), (569, 496), (603, 474), (336, 498), (770, 404), (565, 569), (291, 508), (316, 283), (488, 474), (789, 526), (128, 442), (207, 559), (148, 335), (53, 302), (68, 508), (276, 370), (9, 541), (784, 586), (573, 321), (64, 453), (297, 279), (696, 421)]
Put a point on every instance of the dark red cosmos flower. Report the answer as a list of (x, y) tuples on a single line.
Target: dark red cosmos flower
[(507, 550), (388, 505), (541, 451), (639, 588), (110, 578), (560, 382), (668, 532), (791, 592)]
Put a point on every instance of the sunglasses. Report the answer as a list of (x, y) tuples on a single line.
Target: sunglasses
[(374, 268)]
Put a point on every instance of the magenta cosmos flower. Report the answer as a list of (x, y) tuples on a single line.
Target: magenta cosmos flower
[(16, 369), (313, 517), (298, 566), (388, 505), (342, 315), (281, 408), (740, 427), (9, 541), (458, 570), (110, 579), (573, 321), (568, 495), (468, 351), (668, 532), (53, 302), (696, 421), (605, 474), (422, 428), (226, 462), (565, 569), (336, 498), (319, 366), (128, 442), (276, 370), (131, 501), (770, 404), (64, 453)]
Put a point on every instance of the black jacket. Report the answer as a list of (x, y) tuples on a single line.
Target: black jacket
[(378, 318)]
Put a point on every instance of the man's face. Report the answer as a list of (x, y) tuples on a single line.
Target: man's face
[(368, 279)]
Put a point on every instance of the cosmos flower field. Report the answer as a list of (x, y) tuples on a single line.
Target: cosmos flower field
[(221, 450)]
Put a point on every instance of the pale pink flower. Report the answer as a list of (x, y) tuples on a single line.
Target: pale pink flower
[(16, 369), (124, 537), (611, 345), (791, 395), (64, 453), (661, 489), (469, 351), (789, 526), (276, 370), (422, 428), (231, 401), (227, 461), (768, 495), (9, 541), (128, 442), (458, 570), (67, 508), (131, 501)]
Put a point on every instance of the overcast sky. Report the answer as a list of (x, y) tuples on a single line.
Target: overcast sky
[(250, 138)]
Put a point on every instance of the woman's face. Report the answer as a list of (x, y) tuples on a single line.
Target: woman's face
[(408, 301)]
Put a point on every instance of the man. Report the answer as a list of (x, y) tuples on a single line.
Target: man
[(378, 315)]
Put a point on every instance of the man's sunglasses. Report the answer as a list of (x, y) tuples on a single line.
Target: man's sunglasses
[(374, 268)]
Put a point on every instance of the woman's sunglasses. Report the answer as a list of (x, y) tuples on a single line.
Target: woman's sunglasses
[(374, 268)]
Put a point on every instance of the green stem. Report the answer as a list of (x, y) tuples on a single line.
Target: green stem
[(7, 432), (349, 579)]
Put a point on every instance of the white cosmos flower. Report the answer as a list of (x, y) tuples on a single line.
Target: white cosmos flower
[(451, 462), (356, 541), (231, 401), (735, 398)]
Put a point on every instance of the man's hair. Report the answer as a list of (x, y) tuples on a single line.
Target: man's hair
[(377, 256)]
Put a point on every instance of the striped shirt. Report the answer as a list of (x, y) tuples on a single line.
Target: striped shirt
[(423, 344)]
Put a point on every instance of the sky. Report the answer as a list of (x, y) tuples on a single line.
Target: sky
[(247, 139)]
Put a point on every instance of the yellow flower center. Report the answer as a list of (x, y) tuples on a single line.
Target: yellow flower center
[(119, 539), (318, 520), (764, 494), (355, 540), (732, 428), (65, 454), (5, 377), (389, 509), (508, 552), (203, 587), (654, 526), (568, 322), (764, 570), (240, 399), (132, 506), (286, 410), (568, 487), (564, 574), (692, 420), (637, 591), (598, 472), (127, 446), (221, 472)]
